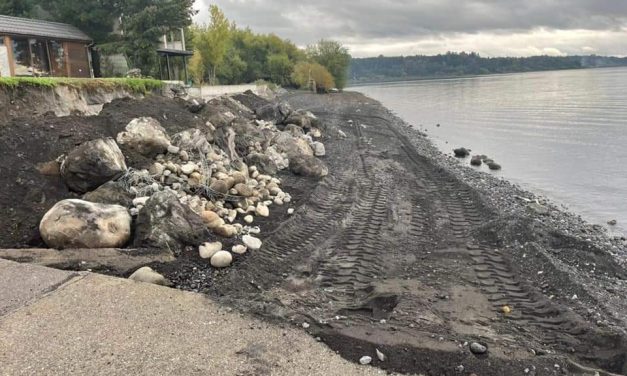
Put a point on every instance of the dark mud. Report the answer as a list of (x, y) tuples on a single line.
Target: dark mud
[(400, 250)]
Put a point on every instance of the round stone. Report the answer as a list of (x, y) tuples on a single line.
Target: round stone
[(239, 249), (252, 242), (207, 250), (477, 348), (221, 259)]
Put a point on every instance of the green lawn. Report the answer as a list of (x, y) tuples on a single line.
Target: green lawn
[(135, 85)]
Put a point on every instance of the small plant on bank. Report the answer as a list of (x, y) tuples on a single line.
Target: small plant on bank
[(135, 85)]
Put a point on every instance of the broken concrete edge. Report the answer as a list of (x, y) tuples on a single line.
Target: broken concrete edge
[(113, 260)]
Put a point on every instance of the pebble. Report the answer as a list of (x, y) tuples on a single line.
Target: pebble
[(477, 348), (173, 149), (262, 210), (248, 219), (184, 155), (290, 211), (252, 242), (239, 249), (207, 250), (188, 168), (221, 259), (380, 355), (365, 360), (306, 325), (146, 274)]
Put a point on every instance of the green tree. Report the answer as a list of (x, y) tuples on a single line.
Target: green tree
[(212, 41), (333, 56), (144, 22), (280, 69), (95, 17), (16, 8), (312, 76)]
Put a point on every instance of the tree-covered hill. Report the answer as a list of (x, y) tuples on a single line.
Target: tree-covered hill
[(383, 68)]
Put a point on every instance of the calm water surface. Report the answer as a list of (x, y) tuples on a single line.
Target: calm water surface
[(560, 133)]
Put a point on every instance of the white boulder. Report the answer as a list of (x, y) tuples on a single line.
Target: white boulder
[(147, 275), (145, 135), (252, 242), (221, 259), (77, 223), (207, 250)]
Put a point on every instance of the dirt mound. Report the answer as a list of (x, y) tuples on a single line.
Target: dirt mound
[(29, 180)]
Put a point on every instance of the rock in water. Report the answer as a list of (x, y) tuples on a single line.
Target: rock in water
[(207, 250), (146, 136), (82, 224), (477, 348), (493, 165), (221, 259), (147, 275), (92, 164), (251, 242), (476, 160), (461, 152), (166, 223), (308, 166)]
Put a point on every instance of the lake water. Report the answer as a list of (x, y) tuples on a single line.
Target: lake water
[(560, 133)]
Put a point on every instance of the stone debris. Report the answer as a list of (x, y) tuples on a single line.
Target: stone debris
[(187, 190)]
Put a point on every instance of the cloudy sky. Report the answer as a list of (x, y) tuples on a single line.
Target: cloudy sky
[(406, 27)]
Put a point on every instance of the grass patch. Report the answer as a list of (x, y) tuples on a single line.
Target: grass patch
[(135, 85)]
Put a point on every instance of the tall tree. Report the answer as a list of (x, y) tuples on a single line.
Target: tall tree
[(95, 17), (144, 22), (333, 56), (212, 41), (16, 8)]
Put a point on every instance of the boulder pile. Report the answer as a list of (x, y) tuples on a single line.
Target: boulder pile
[(192, 187)]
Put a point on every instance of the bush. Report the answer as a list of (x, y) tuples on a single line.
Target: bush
[(135, 85), (310, 75)]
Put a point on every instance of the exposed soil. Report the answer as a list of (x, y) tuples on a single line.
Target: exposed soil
[(398, 249), (27, 144)]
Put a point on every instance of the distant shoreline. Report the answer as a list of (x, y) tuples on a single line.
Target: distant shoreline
[(352, 84)]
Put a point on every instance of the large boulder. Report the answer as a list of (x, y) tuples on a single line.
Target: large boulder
[(292, 146), (81, 224), (145, 135), (92, 164), (304, 119), (308, 165), (166, 223), (112, 193), (193, 140)]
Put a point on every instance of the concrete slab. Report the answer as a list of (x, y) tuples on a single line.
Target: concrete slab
[(106, 326), (23, 283)]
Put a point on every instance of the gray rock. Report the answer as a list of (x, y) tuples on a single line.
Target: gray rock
[(146, 136), (112, 193), (307, 165), (477, 348), (461, 152), (263, 162), (166, 223), (476, 160), (92, 164), (292, 146), (612, 222), (193, 140), (365, 360), (538, 208), (493, 165), (76, 223), (319, 150)]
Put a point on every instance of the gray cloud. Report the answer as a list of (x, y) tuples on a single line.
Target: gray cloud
[(405, 25)]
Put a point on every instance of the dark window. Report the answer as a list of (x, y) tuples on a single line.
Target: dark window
[(57, 58), (21, 57), (39, 57)]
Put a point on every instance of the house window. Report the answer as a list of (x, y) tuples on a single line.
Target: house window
[(58, 66), (22, 57), (39, 57)]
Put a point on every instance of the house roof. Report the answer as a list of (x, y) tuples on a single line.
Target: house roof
[(39, 28)]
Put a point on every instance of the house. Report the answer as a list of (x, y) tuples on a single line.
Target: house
[(173, 57), (43, 49)]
